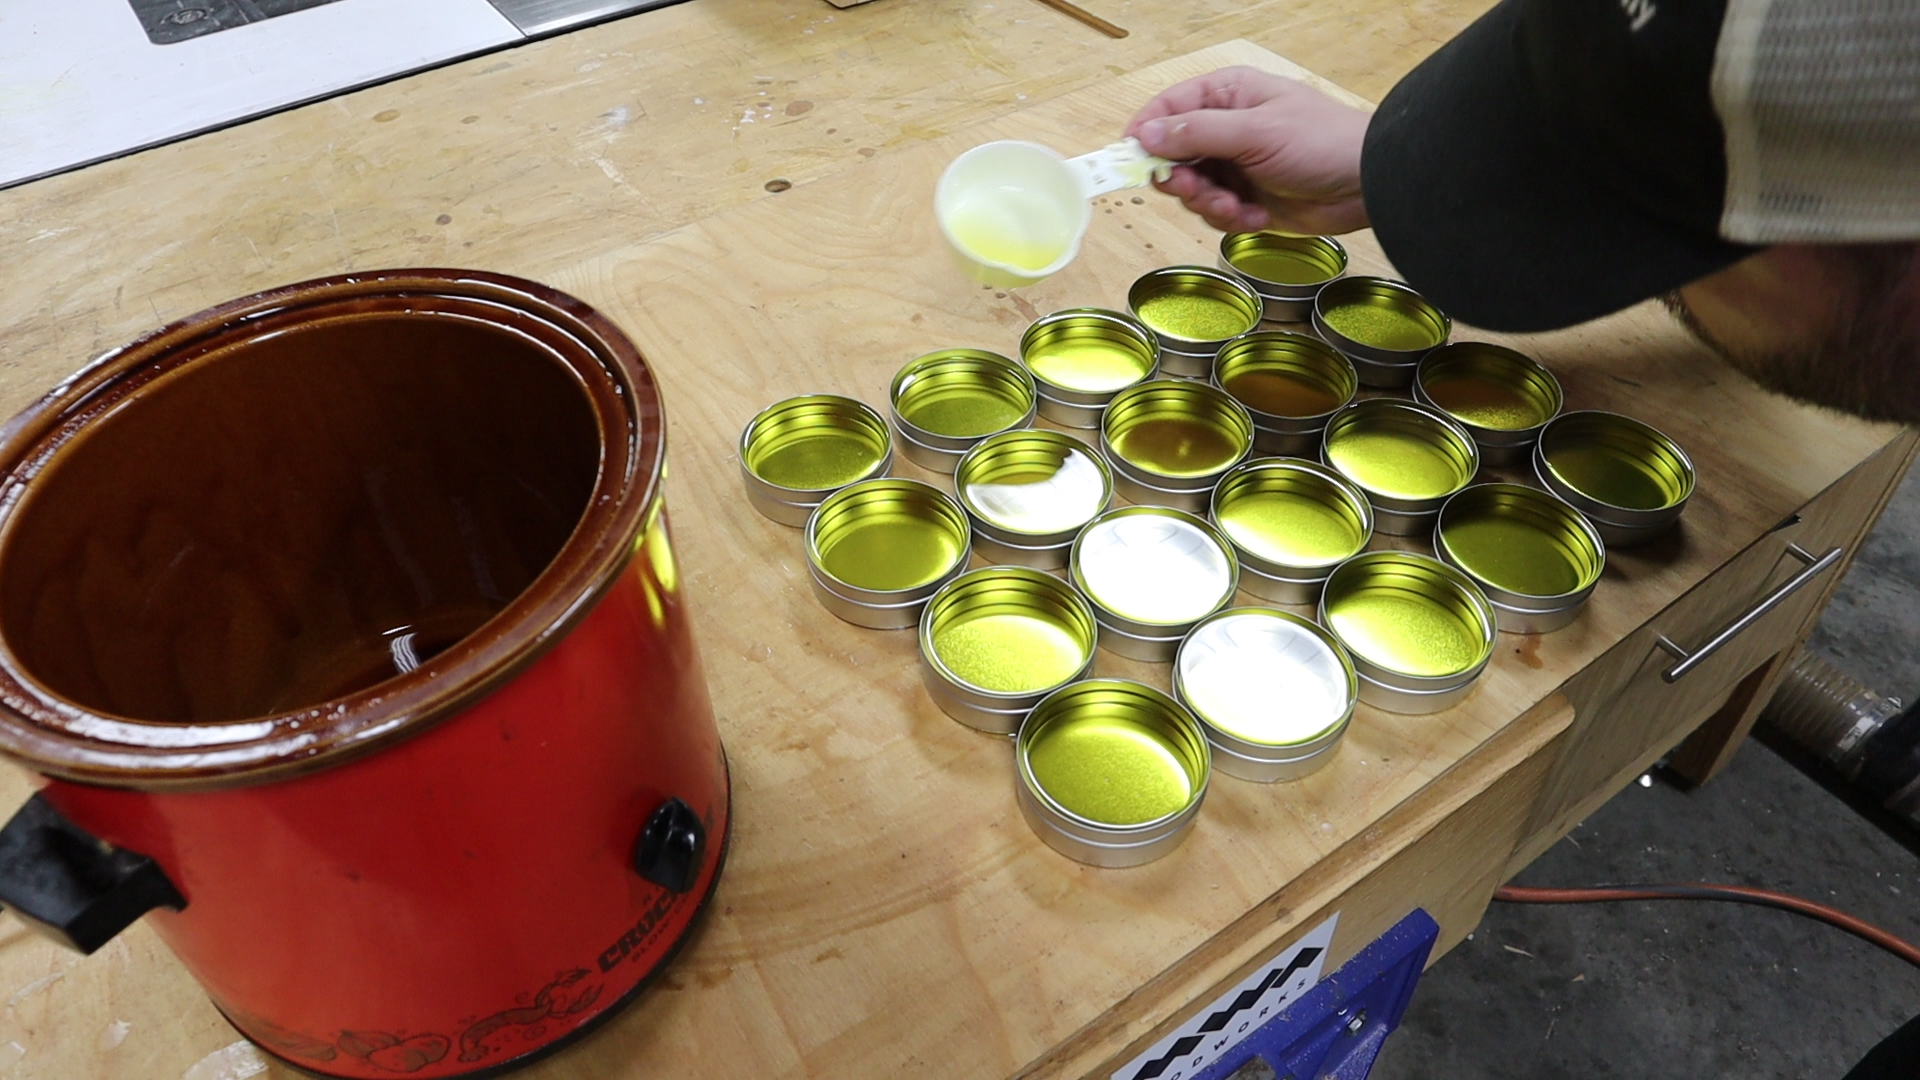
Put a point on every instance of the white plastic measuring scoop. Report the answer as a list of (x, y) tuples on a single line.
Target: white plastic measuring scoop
[(1015, 212)]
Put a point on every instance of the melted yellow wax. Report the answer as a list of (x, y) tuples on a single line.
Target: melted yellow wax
[(1109, 770), (1010, 654)]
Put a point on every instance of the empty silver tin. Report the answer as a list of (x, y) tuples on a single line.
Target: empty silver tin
[(1628, 478), (945, 402), (1382, 325), (1192, 311), (1290, 384), (1500, 397), (994, 641), (1419, 631), (879, 549), (1079, 358), (1287, 271), (1535, 557), (1151, 574), (1408, 458), (1169, 441), (798, 451), (1290, 521), (1029, 493), (1273, 691), (1111, 773)]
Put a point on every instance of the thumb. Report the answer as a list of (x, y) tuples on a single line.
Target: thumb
[(1203, 133)]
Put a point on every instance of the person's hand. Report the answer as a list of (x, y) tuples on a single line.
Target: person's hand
[(1268, 152)]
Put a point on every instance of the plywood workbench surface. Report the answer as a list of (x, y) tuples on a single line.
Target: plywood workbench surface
[(885, 910)]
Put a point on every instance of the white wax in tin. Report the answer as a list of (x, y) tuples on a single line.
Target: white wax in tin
[(1058, 503), (1265, 680), (1154, 569)]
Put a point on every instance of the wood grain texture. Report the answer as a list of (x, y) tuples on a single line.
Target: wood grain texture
[(886, 910)]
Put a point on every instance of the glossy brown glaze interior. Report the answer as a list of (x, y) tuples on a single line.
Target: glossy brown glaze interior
[(314, 496)]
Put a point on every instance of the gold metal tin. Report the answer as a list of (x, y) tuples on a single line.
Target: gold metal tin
[(1629, 479), (1079, 358), (1419, 630), (1290, 384), (1151, 574), (945, 402), (1382, 325), (1409, 460), (1290, 522), (994, 641), (1192, 311), (1273, 691), (1112, 773), (1501, 397), (1169, 441), (879, 549), (1287, 271), (798, 451), (1535, 557), (1029, 493)]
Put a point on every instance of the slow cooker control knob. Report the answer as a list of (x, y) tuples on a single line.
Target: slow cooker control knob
[(670, 846), (73, 886)]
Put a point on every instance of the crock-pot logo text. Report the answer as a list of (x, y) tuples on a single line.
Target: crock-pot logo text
[(629, 947)]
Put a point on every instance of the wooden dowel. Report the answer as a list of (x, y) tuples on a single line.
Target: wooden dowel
[(1085, 16)]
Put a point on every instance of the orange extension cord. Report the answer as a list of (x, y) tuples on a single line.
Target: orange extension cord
[(1739, 894)]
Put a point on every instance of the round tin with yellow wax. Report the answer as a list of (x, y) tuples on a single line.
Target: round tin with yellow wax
[(1111, 773), (1501, 397), (1535, 557), (945, 402), (1628, 478), (1170, 440), (1287, 271), (1290, 522), (1408, 458), (879, 549), (1382, 325), (1151, 573), (1029, 493), (1419, 631), (1079, 358), (1192, 311), (1290, 384), (798, 451), (1273, 691), (994, 641)]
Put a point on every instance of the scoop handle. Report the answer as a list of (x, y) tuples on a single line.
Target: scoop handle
[(1118, 166)]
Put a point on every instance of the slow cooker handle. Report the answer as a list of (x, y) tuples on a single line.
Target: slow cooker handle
[(73, 886), (670, 846)]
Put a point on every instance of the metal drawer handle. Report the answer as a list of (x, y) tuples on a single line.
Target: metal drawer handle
[(1691, 660)]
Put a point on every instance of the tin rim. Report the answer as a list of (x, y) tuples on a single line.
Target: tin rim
[(1288, 355), (1408, 420), (1027, 452), (947, 373), (1191, 405), (1165, 720), (1323, 252), (1239, 744), (1173, 281), (1490, 365), (1144, 626), (1556, 524), (1409, 579), (1293, 476), (1007, 590), (1638, 445), (1405, 702), (774, 428), (886, 501), (1088, 324), (1385, 293)]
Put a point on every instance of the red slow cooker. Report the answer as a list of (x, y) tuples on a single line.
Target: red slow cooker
[(343, 624)]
